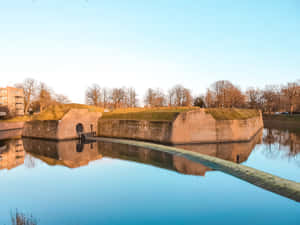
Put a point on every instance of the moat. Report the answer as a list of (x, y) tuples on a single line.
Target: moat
[(103, 183)]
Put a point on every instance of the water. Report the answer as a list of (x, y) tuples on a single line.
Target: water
[(104, 183)]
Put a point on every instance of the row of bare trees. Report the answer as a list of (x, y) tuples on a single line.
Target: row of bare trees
[(221, 94), (176, 96), (272, 98), (38, 96), (127, 97), (111, 98), (224, 94)]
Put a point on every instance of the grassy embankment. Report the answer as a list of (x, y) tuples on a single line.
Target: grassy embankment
[(282, 121), (170, 113), (54, 112), (292, 118)]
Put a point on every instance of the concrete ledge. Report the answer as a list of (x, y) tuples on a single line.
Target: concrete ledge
[(259, 178)]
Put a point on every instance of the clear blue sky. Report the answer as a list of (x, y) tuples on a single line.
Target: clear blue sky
[(70, 44)]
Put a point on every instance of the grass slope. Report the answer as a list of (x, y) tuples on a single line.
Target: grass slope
[(232, 113), (55, 112), (169, 113)]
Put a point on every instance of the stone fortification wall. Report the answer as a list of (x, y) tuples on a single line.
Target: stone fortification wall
[(189, 127), (200, 127), (65, 128), (67, 125), (41, 129), (5, 126), (157, 131)]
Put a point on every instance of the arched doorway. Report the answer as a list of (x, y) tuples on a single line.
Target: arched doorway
[(79, 129)]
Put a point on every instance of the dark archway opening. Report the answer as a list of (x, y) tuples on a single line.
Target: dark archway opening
[(79, 147), (79, 128), (238, 158)]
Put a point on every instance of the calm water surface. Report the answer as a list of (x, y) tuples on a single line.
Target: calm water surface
[(104, 183)]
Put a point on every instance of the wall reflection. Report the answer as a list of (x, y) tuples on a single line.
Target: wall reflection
[(71, 154), (235, 152)]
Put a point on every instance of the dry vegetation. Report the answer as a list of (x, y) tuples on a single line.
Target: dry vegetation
[(170, 113), (292, 118), (232, 113), (18, 218), (55, 112), (153, 114)]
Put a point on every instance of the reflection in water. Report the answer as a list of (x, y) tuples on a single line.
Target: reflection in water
[(282, 143), (12, 153), (74, 154), (71, 154), (236, 152), (113, 187)]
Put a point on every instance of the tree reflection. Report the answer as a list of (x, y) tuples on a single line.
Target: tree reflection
[(282, 143)]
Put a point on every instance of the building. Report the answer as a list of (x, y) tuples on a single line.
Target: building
[(12, 154), (13, 98)]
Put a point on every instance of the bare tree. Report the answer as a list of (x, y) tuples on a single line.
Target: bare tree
[(235, 98), (44, 96), (105, 97), (180, 96), (119, 98), (292, 90), (62, 99), (154, 98), (270, 97), (209, 99), (93, 95), (224, 94), (132, 98), (29, 87), (254, 97)]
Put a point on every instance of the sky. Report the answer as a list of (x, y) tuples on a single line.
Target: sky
[(71, 44)]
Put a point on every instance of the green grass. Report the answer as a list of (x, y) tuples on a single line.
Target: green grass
[(169, 114)]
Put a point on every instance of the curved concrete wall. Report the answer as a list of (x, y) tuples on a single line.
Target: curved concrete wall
[(189, 127)]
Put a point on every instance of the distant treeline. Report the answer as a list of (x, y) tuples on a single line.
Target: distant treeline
[(223, 93)]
